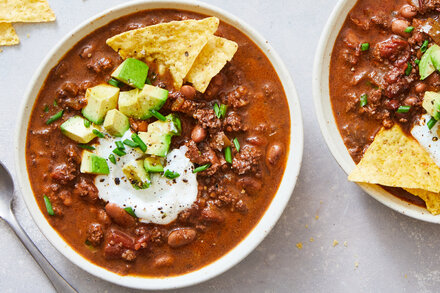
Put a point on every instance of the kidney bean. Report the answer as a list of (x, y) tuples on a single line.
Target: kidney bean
[(198, 133), (119, 215), (188, 92), (181, 237), (274, 153)]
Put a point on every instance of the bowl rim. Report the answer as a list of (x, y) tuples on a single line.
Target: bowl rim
[(326, 119), (261, 229)]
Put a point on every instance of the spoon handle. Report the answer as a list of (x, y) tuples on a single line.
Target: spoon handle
[(59, 283)]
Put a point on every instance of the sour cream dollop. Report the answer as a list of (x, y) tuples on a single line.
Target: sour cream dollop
[(428, 138), (162, 202)]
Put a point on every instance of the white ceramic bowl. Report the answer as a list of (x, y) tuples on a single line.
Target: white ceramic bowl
[(257, 234), (327, 121)]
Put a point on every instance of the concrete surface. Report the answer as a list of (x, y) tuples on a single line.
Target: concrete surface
[(378, 250)]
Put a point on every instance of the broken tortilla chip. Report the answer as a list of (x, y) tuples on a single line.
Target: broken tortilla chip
[(210, 61), (8, 36), (431, 199), (25, 11), (175, 44), (397, 160)]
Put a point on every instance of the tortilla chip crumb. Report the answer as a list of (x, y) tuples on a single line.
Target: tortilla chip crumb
[(307, 226), (1, 50), (405, 276), (28, 36), (316, 217), (8, 36), (312, 239), (345, 243), (299, 245), (356, 264), (335, 242)]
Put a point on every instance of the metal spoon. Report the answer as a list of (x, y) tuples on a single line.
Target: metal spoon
[(6, 213)]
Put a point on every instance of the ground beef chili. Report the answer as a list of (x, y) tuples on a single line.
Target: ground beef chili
[(231, 197), (385, 71)]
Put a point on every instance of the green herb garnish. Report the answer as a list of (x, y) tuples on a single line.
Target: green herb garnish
[(139, 141), (112, 158), (403, 109), (365, 47), (201, 168), (364, 100), (98, 133), (48, 205), (86, 147), (228, 155), (171, 174), (55, 117), (158, 115)]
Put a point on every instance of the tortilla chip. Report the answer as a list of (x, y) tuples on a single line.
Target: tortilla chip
[(431, 199), (395, 159), (25, 11), (210, 61), (174, 44), (8, 36)]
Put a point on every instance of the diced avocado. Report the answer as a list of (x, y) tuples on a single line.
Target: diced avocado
[(435, 56), (159, 134), (132, 72), (153, 164), (431, 103), (426, 67), (116, 123), (75, 129), (93, 164), (138, 103), (137, 175), (100, 99)]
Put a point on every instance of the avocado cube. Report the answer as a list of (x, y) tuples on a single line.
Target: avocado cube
[(132, 72), (435, 56), (136, 174), (100, 99), (116, 123), (431, 103), (159, 134), (426, 66), (138, 103), (153, 164), (93, 164), (75, 129)]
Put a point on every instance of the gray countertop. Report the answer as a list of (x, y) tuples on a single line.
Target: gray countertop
[(378, 249)]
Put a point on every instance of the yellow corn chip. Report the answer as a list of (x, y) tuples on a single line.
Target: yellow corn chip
[(431, 199), (210, 61), (175, 44), (25, 11), (8, 36), (395, 159)]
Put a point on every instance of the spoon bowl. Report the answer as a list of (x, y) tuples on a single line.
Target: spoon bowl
[(6, 191), (7, 214)]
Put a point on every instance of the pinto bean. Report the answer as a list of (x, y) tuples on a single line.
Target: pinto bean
[(420, 87), (163, 261), (408, 11), (410, 101), (188, 92), (181, 237), (198, 133), (256, 140), (119, 215), (274, 153), (398, 26), (212, 214), (250, 184)]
